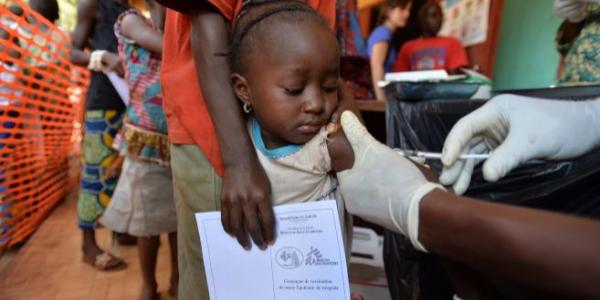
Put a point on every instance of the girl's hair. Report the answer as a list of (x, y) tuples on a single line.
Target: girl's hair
[(388, 6), (258, 17)]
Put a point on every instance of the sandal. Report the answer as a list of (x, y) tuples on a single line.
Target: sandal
[(105, 262)]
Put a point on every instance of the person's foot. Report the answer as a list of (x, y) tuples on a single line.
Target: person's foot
[(99, 259), (125, 239), (105, 262), (149, 292)]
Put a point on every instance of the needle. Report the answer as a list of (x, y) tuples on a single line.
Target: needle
[(437, 155)]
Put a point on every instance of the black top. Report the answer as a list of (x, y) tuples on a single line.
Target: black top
[(101, 94)]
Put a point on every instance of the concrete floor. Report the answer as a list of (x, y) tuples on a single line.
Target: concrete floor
[(49, 265)]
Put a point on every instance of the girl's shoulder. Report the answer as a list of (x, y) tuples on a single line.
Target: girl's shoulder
[(381, 31), (379, 35), (132, 12)]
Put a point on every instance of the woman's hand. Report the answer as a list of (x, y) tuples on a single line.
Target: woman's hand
[(382, 187), (112, 63), (516, 129)]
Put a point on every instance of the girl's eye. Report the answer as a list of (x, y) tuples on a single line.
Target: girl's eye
[(293, 91)]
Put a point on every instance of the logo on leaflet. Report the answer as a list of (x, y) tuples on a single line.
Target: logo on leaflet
[(289, 258), (315, 258)]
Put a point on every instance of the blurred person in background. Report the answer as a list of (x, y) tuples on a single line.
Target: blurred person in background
[(382, 53), (578, 41), (431, 51), (104, 111), (142, 204)]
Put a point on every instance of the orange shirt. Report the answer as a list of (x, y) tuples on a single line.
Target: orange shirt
[(188, 119)]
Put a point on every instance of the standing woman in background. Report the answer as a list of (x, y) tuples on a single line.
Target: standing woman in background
[(578, 41), (103, 115), (382, 54)]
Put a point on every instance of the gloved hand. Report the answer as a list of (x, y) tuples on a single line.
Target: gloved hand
[(382, 187), (572, 10), (516, 129)]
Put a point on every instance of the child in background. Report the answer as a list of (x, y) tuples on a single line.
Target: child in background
[(431, 52), (382, 54), (288, 88), (142, 204)]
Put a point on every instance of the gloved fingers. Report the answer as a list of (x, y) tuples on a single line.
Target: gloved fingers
[(511, 153), (468, 127), (355, 132), (451, 173), (464, 179)]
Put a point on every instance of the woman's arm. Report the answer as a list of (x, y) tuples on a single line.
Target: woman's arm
[(378, 56), (245, 196), (546, 254), (136, 28), (86, 19)]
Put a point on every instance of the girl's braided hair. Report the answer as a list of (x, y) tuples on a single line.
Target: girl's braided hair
[(253, 20)]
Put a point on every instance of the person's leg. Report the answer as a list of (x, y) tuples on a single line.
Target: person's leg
[(125, 239), (197, 188), (148, 252), (95, 188), (174, 265)]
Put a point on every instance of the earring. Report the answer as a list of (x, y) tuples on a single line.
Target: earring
[(247, 108)]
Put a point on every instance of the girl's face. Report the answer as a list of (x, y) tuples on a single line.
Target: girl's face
[(399, 15), (291, 81)]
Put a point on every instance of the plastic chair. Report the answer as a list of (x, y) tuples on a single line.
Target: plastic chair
[(367, 247)]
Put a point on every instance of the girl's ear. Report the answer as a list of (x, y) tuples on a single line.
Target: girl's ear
[(241, 88)]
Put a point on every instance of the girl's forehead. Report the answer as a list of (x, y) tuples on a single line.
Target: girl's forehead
[(298, 38)]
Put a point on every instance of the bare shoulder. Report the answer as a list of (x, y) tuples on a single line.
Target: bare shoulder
[(340, 151), (132, 23)]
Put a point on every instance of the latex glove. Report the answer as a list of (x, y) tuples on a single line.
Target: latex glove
[(382, 187), (572, 10), (459, 173), (516, 129)]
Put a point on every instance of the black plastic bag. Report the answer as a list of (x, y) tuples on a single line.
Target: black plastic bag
[(567, 186)]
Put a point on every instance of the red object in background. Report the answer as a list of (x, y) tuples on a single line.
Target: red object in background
[(356, 72)]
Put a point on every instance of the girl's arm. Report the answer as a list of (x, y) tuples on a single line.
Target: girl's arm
[(136, 28), (340, 152), (378, 56)]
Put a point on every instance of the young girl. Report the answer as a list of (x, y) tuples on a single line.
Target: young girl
[(285, 63), (143, 204), (394, 15)]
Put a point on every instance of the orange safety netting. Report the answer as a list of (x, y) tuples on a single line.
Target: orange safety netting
[(41, 108)]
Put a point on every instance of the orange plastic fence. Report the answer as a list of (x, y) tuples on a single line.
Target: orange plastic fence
[(41, 108)]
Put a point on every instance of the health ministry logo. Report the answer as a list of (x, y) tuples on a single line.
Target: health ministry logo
[(289, 258)]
